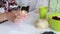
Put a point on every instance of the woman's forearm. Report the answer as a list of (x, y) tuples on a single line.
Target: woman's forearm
[(3, 17)]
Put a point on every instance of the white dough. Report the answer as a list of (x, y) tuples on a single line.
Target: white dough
[(23, 12), (42, 23)]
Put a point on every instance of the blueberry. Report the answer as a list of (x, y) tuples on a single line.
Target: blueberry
[(45, 33), (48, 32), (51, 32)]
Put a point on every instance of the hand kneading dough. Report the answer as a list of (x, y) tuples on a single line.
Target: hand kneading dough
[(42, 23)]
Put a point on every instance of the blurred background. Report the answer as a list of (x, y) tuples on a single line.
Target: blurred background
[(33, 3)]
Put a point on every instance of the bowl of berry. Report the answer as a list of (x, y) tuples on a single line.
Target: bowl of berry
[(54, 21)]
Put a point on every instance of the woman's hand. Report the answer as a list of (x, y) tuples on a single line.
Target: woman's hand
[(10, 16), (17, 15), (13, 15)]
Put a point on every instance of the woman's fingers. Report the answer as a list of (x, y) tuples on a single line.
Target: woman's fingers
[(17, 16)]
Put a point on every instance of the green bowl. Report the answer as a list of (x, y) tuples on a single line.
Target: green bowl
[(54, 24)]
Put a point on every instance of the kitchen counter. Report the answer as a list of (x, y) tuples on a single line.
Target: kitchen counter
[(26, 27)]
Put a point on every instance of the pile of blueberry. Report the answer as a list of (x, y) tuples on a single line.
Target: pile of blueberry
[(50, 32)]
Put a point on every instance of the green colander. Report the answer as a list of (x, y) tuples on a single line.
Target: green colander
[(54, 24)]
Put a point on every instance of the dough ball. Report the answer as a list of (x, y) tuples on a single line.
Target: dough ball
[(42, 23), (24, 12)]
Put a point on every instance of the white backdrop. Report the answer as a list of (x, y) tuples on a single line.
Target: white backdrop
[(33, 3)]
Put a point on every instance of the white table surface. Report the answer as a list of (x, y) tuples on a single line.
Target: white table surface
[(26, 27)]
